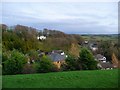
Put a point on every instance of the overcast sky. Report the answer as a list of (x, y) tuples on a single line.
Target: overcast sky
[(69, 17)]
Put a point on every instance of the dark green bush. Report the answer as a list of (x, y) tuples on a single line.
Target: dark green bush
[(15, 63), (45, 65), (87, 60)]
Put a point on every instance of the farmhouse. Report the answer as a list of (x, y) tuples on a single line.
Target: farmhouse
[(58, 57), (41, 37)]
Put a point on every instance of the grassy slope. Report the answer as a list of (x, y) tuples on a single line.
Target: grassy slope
[(72, 79)]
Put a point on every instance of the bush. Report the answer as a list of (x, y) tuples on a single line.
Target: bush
[(33, 55), (5, 56), (87, 60), (15, 63), (29, 68), (45, 65), (71, 63)]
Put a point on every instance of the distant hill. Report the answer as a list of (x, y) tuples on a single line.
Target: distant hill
[(26, 39)]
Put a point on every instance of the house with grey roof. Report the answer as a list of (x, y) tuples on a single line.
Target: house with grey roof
[(102, 63), (57, 57), (106, 65), (100, 58)]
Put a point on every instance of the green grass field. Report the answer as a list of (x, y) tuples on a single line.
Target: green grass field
[(71, 79), (99, 38)]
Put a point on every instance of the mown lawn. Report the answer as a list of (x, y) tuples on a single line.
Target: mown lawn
[(71, 79)]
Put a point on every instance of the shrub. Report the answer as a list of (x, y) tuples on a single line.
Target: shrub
[(33, 55), (71, 63), (45, 65), (15, 63), (29, 68), (87, 60)]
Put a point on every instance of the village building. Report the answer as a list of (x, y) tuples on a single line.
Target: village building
[(93, 47), (58, 57), (41, 37), (100, 58), (102, 63), (86, 42), (104, 66)]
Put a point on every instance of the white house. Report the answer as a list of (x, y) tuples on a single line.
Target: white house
[(41, 37), (86, 42)]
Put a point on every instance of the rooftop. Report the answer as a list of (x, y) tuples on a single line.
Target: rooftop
[(57, 57)]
